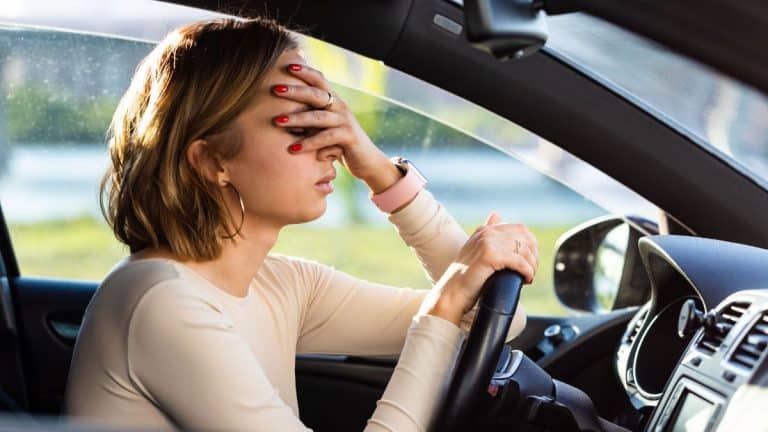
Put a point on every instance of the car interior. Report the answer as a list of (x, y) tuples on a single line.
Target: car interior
[(684, 344)]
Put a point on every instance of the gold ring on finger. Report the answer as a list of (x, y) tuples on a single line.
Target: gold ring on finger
[(330, 101)]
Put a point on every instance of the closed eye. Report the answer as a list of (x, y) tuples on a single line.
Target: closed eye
[(301, 131)]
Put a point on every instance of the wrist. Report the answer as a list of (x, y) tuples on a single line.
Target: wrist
[(444, 307), (382, 177), (405, 189)]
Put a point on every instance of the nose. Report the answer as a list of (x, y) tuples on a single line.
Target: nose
[(330, 153)]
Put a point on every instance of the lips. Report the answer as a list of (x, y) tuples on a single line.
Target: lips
[(328, 178), (324, 184)]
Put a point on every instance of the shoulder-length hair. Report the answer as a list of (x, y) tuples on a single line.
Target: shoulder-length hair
[(191, 86)]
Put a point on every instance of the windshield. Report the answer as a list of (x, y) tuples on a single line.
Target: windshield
[(718, 112)]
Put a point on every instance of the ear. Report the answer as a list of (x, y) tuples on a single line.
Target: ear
[(202, 160)]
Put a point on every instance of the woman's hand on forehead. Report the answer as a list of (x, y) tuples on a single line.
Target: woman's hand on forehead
[(335, 124)]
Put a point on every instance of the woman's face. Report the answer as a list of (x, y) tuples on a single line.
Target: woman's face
[(278, 188)]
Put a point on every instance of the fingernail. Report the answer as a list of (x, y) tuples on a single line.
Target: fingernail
[(280, 88), (295, 148), (281, 119), (294, 67)]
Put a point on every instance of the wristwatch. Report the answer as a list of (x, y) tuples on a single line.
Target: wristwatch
[(403, 190)]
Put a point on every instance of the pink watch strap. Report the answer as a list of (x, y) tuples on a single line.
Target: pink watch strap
[(399, 193)]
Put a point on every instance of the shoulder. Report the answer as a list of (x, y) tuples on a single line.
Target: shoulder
[(174, 312), (151, 287), (124, 287), (144, 301), (141, 273)]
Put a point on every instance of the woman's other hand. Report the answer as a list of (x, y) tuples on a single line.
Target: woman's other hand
[(493, 246), (334, 125)]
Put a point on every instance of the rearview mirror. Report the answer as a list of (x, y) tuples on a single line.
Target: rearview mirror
[(505, 28), (598, 267)]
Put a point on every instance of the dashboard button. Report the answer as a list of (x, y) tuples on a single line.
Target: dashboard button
[(554, 334), (729, 376), (696, 361)]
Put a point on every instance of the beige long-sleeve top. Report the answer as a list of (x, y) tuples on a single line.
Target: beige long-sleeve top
[(161, 347)]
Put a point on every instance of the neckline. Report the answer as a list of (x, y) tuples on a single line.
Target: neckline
[(185, 268)]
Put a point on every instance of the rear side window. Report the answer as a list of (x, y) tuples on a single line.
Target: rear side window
[(59, 92)]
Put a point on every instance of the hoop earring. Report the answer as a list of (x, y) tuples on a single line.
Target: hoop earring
[(242, 214)]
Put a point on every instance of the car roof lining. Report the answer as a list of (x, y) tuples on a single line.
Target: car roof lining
[(546, 96)]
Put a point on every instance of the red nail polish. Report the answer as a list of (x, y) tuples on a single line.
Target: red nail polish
[(281, 119), (295, 147), (294, 67), (280, 88)]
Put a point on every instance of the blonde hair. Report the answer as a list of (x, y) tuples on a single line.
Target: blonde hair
[(191, 86)]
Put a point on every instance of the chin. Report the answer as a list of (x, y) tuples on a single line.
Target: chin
[(314, 213)]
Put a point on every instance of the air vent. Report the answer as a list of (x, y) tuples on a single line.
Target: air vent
[(753, 345), (726, 319)]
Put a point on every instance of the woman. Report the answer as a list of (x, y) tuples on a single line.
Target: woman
[(224, 137)]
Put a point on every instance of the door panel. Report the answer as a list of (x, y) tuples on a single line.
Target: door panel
[(339, 393), (44, 309)]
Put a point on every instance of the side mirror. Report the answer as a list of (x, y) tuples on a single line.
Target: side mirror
[(598, 266)]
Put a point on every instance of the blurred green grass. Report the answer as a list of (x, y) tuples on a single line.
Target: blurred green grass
[(84, 248)]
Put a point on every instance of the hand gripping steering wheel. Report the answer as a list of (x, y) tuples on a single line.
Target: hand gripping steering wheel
[(477, 362)]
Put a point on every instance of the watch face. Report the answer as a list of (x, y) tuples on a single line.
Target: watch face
[(405, 165), (402, 165)]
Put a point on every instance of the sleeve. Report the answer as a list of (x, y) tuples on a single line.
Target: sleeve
[(421, 378), (186, 357), (436, 238), (431, 232), (346, 315)]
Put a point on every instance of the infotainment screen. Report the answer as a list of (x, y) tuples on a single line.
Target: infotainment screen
[(691, 415)]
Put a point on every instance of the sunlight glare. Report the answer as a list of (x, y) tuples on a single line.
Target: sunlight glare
[(11, 8)]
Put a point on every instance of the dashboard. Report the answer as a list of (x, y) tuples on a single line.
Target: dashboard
[(685, 369)]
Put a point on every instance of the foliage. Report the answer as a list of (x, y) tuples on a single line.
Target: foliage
[(41, 116), (84, 248)]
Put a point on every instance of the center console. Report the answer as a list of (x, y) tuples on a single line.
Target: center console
[(721, 357)]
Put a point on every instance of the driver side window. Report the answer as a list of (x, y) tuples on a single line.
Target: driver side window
[(470, 176)]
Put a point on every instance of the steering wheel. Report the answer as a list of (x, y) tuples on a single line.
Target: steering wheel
[(477, 362)]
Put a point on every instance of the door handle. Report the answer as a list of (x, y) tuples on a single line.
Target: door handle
[(67, 332)]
